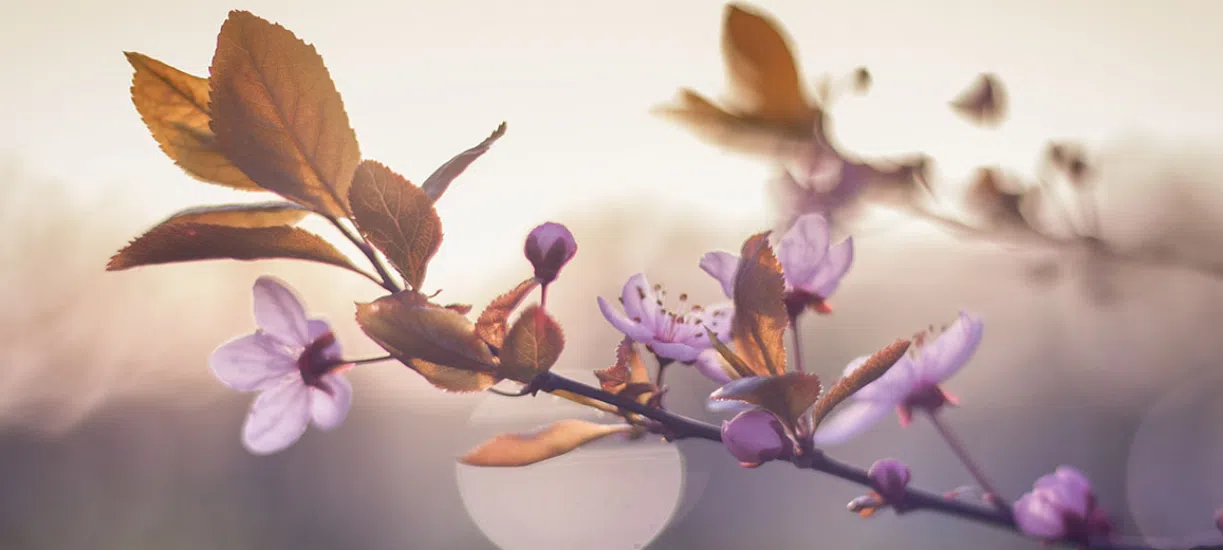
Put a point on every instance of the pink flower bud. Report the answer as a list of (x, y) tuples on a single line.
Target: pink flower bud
[(1062, 506), (890, 478), (755, 437), (549, 247)]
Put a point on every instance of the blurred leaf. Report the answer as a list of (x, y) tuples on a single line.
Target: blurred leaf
[(440, 179), (583, 400), (186, 242), (509, 450), (174, 106), (437, 342), (871, 370), (493, 321), (461, 309), (739, 369), (760, 321), (253, 215), (761, 67), (532, 346), (788, 396), (396, 217), (628, 369), (984, 102), (277, 115)]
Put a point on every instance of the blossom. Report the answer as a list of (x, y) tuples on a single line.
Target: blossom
[(754, 437), (912, 383), (678, 335), (549, 247), (1061, 506), (294, 363), (811, 268)]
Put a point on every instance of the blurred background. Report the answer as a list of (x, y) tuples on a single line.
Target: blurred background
[(114, 434)]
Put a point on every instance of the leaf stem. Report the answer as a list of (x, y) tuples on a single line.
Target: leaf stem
[(367, 360), (387, 281), (798, 346), (991, 493)]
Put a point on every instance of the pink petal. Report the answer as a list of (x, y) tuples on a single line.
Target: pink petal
[(278, 418), (280, 313), (639, 300), (317, 328), (252, 362), (1037, 517), (803, 248), (1069, 488), (678, 351), (329, 409), (711, 364), (850, 421), (828, 277), (717, 318), (891, 388), (947, 354), (722, 266), (623, 324), (754, 436)]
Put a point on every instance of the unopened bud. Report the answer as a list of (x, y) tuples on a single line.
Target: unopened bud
[(549, 247), (755, 437), (890, 478)]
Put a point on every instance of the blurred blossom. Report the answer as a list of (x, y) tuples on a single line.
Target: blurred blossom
[(1062, 506), (549, 247), (912, 383), (755, 437), (295, 363), (890, 478), (811, 267), (678, 335)]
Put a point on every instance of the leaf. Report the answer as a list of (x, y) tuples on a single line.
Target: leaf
[(396, 217), (461, 309), (788, 396), (253, 215), (493, 322), (532, 346), (762, 69), (760, 320), (984, 102), (435, 341), (278, 117), (871, 370), (736, 363), (440, 179), (174, 107), (187, 242), (511, 450), (628, 369)]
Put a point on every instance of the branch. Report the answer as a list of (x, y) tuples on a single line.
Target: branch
[(387, 282)]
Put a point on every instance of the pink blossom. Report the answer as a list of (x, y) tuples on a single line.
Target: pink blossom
[(754, 437), (678, 335), (912, 383), (812, 269), (1062, 506), (294, 363), (549, 247)]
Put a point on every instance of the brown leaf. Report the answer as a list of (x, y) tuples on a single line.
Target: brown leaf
[(278, 117), (739, 368), (788, 396), (174, 106), (762, 69), (532, 346), (440, 179), (871, 370), (252, 215), (435, 341), (628, 369), (984, 102), (396, 217), (187, 242), (760, 321), (461, 309), (510, 450), (494, 320)]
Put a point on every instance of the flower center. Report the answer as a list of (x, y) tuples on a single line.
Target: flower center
[(313, 362), (672, 322)]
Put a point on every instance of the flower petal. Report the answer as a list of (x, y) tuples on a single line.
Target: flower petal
[(317, 328), (1037, 517), (279, 312), (329, 408), (251, 362), (718, 319), (630, 328), (942, 358), (711, 364), (678, 351), (828, 276), (891, 388), (1069, 489), (754, 436), (722, 266), (278, 418), (850, 421), (639, 300), (803, 248)]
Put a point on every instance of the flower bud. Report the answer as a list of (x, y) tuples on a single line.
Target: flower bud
[(890, 478), (1062, 506), (755, 437), (549, 247)]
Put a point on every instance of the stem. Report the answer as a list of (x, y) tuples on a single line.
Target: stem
[(798, 347), (387, 281), (543, 296), (366, 360), (957, 447)]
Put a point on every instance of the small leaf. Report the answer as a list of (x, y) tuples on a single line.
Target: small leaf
[(437, 342), (739, 368), (760, 321), (461, 309), (984, 102), (253, 215), (532, 346), (628, 369), (511, 450), (174, 106), (278, 117), (187, 242), (871, 370), (788, 396), (494, 320), (440, 179), (396, 217)]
